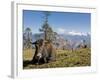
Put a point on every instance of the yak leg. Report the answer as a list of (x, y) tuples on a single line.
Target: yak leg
[(45, 60), (45, 55), (52, 55)]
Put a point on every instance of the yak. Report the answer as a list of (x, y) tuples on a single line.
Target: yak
[(44, 51)]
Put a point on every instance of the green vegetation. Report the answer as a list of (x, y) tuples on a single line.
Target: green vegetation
[(64, 58)]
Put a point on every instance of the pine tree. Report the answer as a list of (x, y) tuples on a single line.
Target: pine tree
[(27, 38)]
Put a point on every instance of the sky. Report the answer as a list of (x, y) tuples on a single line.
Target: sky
[(61, 22)]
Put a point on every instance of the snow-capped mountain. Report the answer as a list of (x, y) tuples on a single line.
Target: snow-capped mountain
[(68, 39)]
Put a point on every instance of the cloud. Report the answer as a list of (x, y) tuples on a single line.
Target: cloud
[(72, 32), (61, 31), (77, 33), (64, 31)]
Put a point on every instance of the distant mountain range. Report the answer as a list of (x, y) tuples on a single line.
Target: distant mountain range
[(62, 38), (66, 37), (76, 38)]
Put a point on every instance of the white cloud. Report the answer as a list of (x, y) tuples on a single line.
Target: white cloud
[(61, 31), (64, 31), (77, 33)]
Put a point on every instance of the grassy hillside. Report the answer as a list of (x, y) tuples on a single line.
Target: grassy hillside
[(64, 58)]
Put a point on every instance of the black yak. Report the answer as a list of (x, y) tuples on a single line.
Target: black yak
[(44, 52)]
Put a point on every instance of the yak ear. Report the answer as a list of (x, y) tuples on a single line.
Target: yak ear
[(34, 42)]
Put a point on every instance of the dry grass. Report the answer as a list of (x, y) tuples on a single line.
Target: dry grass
[(64, 58)]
